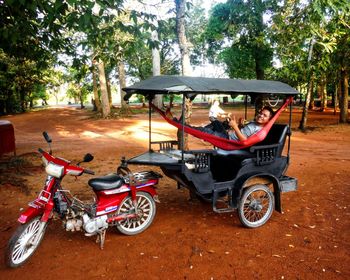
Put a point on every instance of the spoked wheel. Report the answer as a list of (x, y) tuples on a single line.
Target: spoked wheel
[(24, 242), (146, 210), (256, 206)]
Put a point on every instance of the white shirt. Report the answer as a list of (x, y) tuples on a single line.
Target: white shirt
[(215, 111)]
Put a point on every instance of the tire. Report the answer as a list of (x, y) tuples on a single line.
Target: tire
[(146, 212), (256, 206), (19, 248), (273, 100)]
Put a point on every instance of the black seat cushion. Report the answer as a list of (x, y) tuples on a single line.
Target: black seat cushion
[(111, 181)]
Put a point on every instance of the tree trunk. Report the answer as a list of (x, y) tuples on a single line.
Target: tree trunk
[(97, 101), (259, 70), (323, 94), (2, 107), (309, 91), (181, 35), (155, 56), (81, 99), (312, 99), (335, 99), (109, 90), (344, 98), (22, 99), (158, 100), (171, 101), (303, 120), (106, 108), (188, 114), (124, 109), (324, 98), (185, 62)]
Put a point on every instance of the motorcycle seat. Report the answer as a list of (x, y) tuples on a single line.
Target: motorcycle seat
[(108, 182)]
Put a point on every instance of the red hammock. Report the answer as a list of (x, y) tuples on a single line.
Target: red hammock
[(227, 144)]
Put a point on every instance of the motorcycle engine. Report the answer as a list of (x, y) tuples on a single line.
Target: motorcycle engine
[(60, 204), (73, 224), (93, 225)]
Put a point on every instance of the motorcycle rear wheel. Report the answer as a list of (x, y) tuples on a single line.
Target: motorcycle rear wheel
[(20, 247), (146, 208)]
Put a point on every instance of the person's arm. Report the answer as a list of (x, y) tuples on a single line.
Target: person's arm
[(233, 124)]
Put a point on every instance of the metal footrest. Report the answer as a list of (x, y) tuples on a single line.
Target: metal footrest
[(224, 210), (217, 199)]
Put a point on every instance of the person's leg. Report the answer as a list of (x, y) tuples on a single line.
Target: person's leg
[(215, 128), (218, 127), (208, 130)]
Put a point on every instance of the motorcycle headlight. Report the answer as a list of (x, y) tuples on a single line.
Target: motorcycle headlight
[(54, 170)]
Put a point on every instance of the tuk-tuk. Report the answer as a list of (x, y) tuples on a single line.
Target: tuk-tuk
[(249, 177)]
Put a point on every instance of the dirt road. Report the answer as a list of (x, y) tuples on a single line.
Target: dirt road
[(310, 240)]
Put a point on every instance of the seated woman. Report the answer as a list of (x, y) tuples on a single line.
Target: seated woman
[(238, 131)]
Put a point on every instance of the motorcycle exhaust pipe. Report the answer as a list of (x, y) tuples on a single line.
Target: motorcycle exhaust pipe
[(121, 217)]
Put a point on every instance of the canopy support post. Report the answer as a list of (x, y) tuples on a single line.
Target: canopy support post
[(149, 124), (245, 106), (183, 127), (290, 129)]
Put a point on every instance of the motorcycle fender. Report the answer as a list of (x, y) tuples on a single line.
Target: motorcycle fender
[(32, 212), (151, 190), (29, 214)]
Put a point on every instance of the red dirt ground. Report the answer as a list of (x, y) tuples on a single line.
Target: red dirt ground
[(187, 240)]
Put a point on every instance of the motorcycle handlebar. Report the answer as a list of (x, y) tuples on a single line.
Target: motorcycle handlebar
[(87, 171)]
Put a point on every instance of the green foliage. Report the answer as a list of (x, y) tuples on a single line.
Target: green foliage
[(239, 25), (170, 65), (33, 33), (79, 82), (244, 35), (20, 80), (296, 25), (195, 30)]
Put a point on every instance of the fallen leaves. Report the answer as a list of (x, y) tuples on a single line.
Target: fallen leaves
[(313, 226)]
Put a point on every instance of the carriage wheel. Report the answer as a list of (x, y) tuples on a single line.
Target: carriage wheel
[(256, 206), (273, 100)]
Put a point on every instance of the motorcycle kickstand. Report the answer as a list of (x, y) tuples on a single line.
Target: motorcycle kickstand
[(101, 238)]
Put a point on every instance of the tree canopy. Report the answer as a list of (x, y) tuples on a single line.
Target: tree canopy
[(45, 44)]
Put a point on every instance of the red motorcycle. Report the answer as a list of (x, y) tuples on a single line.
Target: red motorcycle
[(123, 199)]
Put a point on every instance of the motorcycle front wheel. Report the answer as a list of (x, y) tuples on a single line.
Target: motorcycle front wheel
[(146, 210), (23, 243)]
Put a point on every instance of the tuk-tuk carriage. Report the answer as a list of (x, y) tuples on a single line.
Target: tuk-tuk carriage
[(248, 176)]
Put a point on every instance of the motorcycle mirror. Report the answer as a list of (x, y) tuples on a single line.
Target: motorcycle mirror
[(88, 157), (47, 137)]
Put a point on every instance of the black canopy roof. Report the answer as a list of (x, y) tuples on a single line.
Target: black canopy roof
[(195, 85)]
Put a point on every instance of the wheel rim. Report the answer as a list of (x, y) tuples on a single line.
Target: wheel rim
[(144, 213), (257, 207), (273, 101), (24, 246)]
